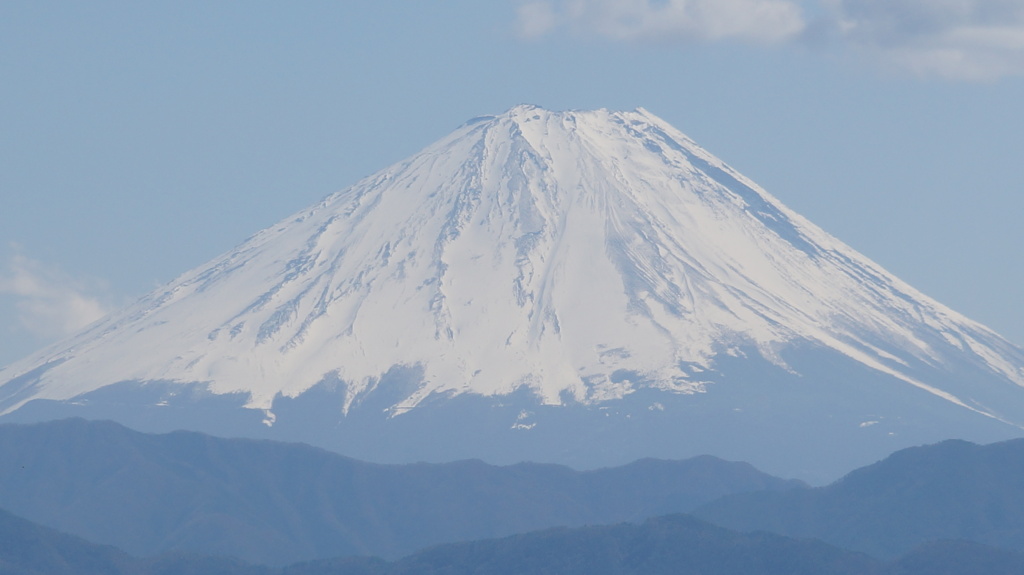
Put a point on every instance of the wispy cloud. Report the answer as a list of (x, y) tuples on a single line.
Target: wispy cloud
[(953, 39), (760, 21), (956, 39), (49, 303)]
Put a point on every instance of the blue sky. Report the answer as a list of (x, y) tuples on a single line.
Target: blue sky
[(139, 140)]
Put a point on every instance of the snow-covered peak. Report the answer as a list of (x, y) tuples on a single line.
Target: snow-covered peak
[(582, 254)]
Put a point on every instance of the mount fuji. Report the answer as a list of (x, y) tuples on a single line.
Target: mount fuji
[(581, 287)]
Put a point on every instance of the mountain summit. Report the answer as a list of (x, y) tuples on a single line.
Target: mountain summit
[(542, 266)]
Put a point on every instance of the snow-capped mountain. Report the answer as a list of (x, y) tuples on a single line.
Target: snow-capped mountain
[(566, 259)]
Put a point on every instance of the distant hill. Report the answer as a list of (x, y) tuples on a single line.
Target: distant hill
[(672, 545), (278, 503), (30, 549), (955, 557), (950, 490), (27, 548), (676, 545)]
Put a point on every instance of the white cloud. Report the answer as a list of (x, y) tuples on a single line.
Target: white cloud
[(956, 39), (759, 21), (49, 304), (536, 19)]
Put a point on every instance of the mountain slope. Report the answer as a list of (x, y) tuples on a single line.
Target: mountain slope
[(582, 260), (269, 502), (951, 490)]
